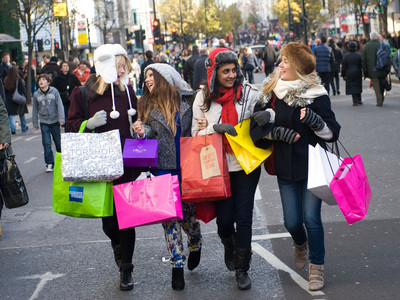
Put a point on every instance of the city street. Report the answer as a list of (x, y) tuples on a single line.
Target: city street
[(44, 255)]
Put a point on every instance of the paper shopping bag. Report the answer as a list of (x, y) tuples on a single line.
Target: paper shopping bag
[(351, 189), (204, 169), (205, 211), (140, 153), (82, 200), (91, 157), (249, 156), (322, 165), (148, 201)]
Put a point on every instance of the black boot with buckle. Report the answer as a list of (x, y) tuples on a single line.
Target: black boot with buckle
[(126, 277)]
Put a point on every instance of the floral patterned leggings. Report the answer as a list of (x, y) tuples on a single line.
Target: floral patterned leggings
[(173, 235)]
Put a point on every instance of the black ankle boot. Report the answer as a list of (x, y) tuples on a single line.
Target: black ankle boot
[(242, 262), (178, 281), (117, 254), (126, 277), (194, 259), (229, 256)]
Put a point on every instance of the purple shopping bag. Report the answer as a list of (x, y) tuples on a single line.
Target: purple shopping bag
[(148, 201), (351, 189), (140, 153)]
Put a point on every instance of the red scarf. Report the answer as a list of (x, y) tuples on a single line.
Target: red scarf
[(229, 113)]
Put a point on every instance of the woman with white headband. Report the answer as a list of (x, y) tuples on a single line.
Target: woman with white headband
[(111, 104)]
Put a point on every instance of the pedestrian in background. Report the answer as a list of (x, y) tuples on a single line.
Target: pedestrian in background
[(169, 117), (149, 60), (396, 63), (10, 84), (188, 68), (82, 72), (249, 64), (48, 109), (200, 71), (325, 58), (65, 82), (109, 101), (218, 107), (5, 66), (303, 106), (269, 57), (377, 76), (352, 73), (51, 67), (335, 67)]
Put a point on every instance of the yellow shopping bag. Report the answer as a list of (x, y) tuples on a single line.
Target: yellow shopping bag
[(248, 155)]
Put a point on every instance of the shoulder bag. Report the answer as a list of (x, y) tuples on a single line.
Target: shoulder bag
[(17, 97)]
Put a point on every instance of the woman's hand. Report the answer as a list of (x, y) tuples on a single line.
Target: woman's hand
[(201, 123), (4, 146), (139, 128), (302, 113)]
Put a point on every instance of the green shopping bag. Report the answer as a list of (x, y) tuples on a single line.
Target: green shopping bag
[(81, 199)]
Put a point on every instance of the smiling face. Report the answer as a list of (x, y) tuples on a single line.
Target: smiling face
[(287, 73), (226, 76), (149, 80)]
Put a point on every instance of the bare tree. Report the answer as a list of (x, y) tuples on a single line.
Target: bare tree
[(33, 15), (105, 17)]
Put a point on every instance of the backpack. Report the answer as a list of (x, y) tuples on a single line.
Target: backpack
[(381, 58)]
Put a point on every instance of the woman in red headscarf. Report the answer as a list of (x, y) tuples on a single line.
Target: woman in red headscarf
[(219, 106)]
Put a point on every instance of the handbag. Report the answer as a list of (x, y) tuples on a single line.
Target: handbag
[(351, 189), (17, 97), (387, 84), (205, 211), (80, 199), (148, 201), (91, 157), (249, 156), (204, 169), (140, 153), (12, 186), (322, 166)]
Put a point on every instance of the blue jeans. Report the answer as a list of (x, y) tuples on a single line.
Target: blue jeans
[(22, 120), (238, 208), (50, 131), (302, 209)]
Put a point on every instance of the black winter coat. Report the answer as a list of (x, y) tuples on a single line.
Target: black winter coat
[(352, 72), (65, 83), (12, 107), (291, 160)]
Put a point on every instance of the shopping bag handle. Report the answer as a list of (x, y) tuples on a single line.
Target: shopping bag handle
[(244, 106), (82, 128)]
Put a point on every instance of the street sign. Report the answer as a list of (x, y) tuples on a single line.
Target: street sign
[(81, 25), (60, 9), (150, 40), (82, 38)]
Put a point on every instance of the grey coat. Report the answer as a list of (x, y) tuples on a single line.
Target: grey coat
[(163, 133)]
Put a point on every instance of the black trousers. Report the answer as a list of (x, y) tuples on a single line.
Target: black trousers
[(325, 79)]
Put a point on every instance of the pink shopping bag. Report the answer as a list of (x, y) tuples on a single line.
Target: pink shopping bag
[(148, 201), (351, 189)]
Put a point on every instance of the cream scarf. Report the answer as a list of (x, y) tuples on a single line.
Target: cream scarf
[(298, 92)]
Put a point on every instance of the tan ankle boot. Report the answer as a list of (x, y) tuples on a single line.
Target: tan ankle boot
[(315, 277), (300, 255)]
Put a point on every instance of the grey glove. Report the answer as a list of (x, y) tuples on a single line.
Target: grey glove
[(226, 127), (283, 134), (99, 119), (261, 117), (313, 120)]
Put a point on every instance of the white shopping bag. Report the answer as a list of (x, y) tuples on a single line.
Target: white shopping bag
[(322, 165)]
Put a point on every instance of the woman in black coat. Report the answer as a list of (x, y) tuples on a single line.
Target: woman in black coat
[(10, 84), (352, 73)]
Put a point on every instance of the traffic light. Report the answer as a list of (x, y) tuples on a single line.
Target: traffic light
[(39, 45), (56, 45), (174, 35), (143, 33), (156, 28)]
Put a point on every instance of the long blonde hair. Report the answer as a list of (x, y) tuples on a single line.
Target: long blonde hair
[(163, 97), (102, 85)]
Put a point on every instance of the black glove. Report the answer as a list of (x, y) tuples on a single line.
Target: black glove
[(283, 134), (261, 117), (226, 127), (313, 120)]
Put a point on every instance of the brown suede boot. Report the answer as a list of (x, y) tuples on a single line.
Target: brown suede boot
[(315, 277), (300, 255)]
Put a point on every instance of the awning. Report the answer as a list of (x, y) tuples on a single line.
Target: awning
[(6, 38)]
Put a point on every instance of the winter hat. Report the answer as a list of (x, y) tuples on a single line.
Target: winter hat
[(104, 62), (300, 57), (217, 58), (171, 76), (352, 45)]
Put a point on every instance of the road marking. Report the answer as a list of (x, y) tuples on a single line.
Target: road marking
[(30, 160), (270, 236), (279, 265), (43, 280), (32, 137)]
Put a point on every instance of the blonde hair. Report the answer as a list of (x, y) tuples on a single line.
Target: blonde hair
[(102, 85)]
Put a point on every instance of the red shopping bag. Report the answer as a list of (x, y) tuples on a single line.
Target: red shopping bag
[(351, 189), (205, 211), (205, 173), (148, 201)]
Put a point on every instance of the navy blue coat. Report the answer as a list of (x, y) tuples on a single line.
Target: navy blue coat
[(325, 57)]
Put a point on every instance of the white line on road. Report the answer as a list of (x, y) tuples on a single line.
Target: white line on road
[(279, 265), (270, 236), (43, 280), (30, 160), (32, 137)]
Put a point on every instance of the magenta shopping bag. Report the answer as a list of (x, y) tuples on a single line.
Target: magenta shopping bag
[(351, 189), (148, 201), (140, 153)]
